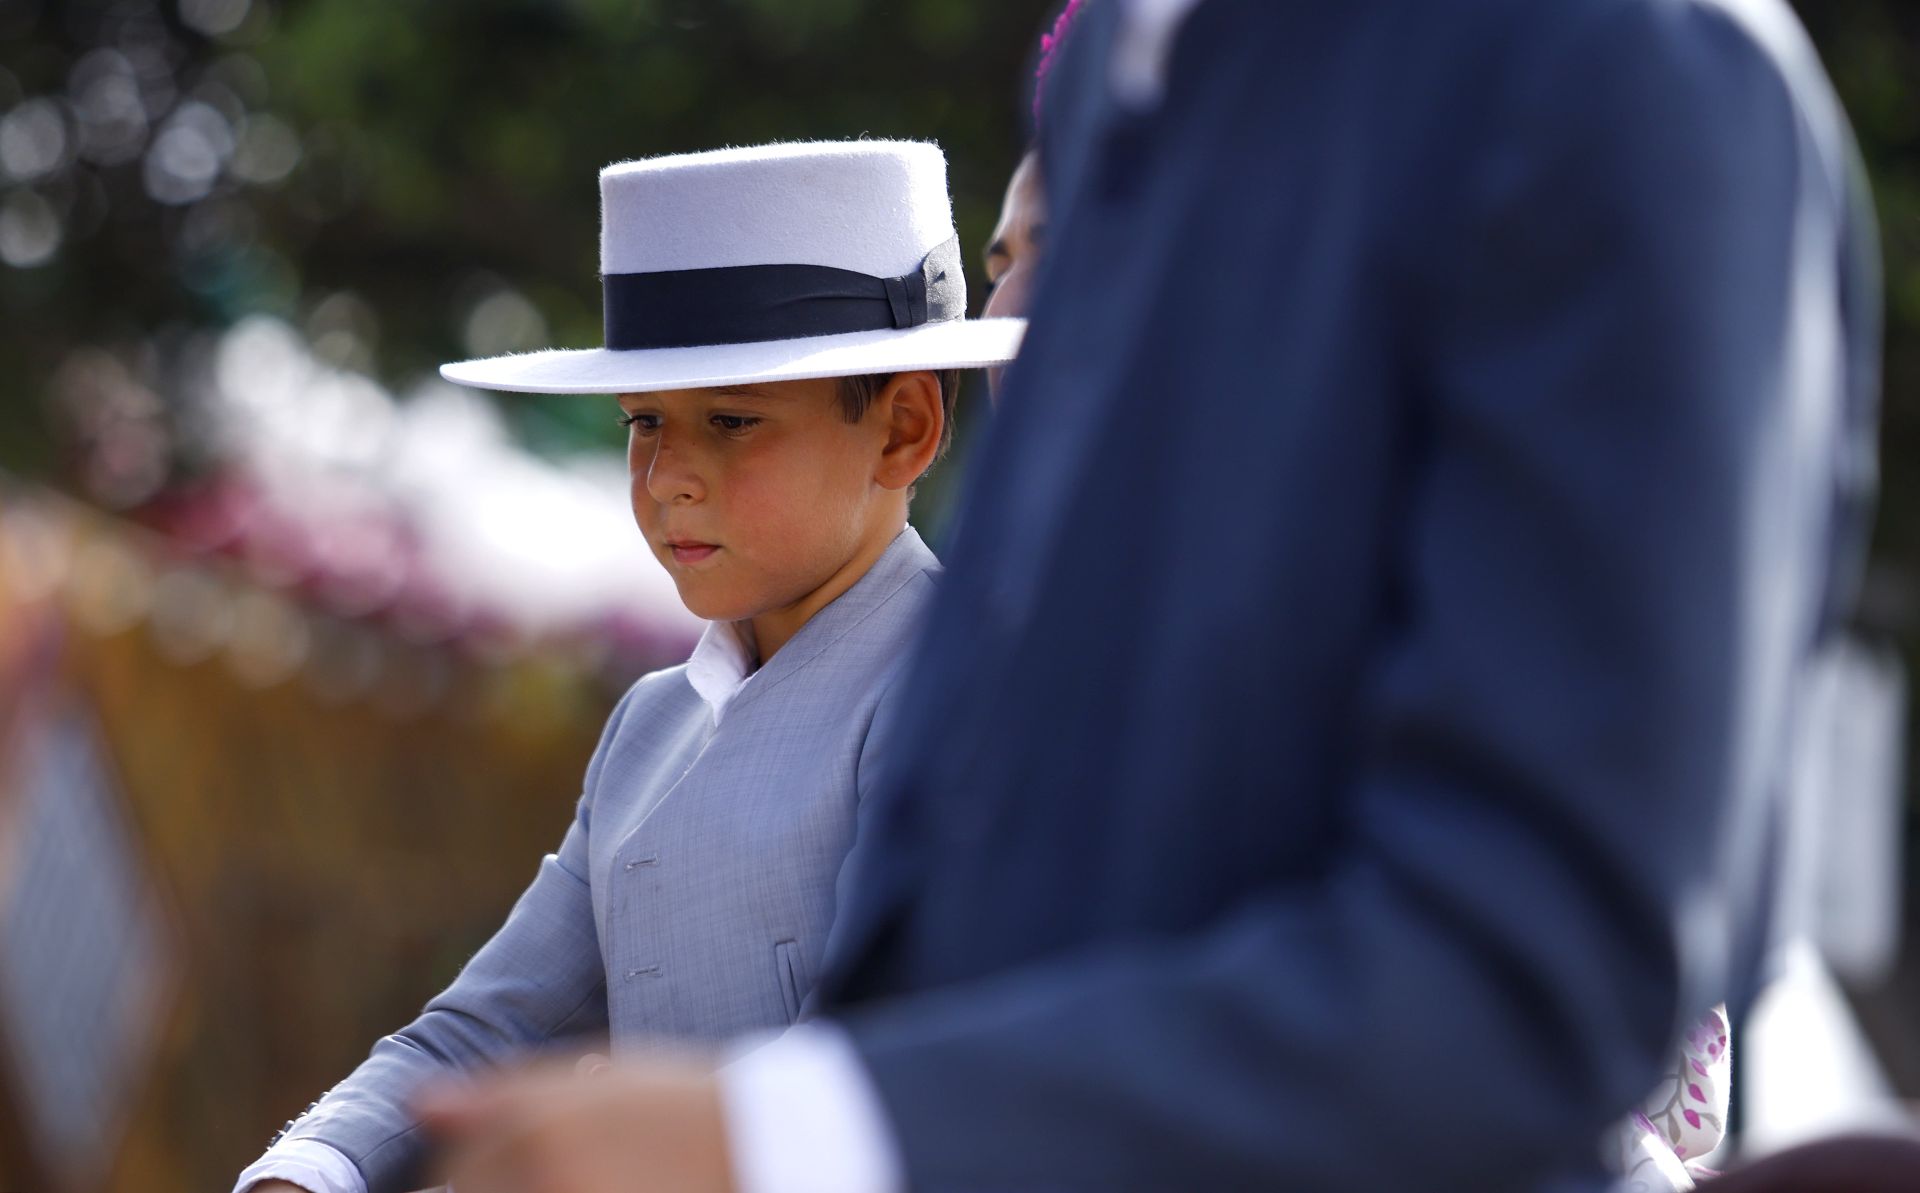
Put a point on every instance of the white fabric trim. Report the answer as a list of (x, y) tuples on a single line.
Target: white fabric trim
[(720, 665), (803, 1117), (308, 1163), (953, 344)]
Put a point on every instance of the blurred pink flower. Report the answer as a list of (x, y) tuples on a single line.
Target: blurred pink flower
[(1050, 50)]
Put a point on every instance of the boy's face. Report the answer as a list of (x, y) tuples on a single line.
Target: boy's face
[(754, 497)]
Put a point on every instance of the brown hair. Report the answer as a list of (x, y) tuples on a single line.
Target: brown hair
[(858, 392)]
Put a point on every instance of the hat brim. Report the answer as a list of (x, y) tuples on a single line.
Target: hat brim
[(955, 344)]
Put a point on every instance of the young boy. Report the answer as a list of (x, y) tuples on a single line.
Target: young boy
[(777, 323)]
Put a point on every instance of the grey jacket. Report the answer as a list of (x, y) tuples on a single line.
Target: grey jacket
[(692, 895)]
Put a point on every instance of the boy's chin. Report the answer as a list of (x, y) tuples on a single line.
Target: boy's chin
[(711, 606)]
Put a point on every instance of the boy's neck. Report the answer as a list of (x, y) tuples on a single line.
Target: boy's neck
[(769, 631), (749, 643)]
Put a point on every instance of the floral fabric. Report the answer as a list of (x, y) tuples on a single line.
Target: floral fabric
[(1658, 1148)]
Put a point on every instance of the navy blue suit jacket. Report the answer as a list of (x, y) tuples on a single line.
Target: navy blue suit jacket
[(1343, 744)]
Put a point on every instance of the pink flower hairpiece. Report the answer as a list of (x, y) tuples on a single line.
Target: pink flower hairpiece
[(1050, 50)]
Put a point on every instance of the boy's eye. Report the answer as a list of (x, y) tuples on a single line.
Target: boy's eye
[(733, 424), (645, 422)]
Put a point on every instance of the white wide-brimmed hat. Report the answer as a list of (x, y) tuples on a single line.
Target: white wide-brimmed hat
[(773, 263)]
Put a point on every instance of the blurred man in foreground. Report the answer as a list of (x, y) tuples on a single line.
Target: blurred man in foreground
[(1444, 433)]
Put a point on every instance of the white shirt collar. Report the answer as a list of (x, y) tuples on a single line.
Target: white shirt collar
[(722, 662)]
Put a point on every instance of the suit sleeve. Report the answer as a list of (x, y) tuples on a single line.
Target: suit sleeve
[(1627, 369), (540, 977)]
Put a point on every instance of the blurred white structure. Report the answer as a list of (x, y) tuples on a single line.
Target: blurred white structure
[(1806, 1069), (432, 487)]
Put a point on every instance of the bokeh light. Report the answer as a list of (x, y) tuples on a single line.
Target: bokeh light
[(503, 321), (267, 150), (214, 17), (105, 91), (30, 229), (189, 153), (34, 140)]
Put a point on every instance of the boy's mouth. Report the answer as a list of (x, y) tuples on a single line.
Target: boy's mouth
[(690, 550)]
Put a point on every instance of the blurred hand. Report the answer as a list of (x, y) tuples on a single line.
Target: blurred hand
[(635, 1127), (276, 1187), (1847, 1164)]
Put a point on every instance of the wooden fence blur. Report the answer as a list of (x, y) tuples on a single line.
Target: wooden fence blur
[(314, 858)]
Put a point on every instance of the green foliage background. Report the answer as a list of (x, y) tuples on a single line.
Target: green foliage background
[(450, 148)]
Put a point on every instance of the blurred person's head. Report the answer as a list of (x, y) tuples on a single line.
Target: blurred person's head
[(783, 328), (1014, 249), (1013, 252)]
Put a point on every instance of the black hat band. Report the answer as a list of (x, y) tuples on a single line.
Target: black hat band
[(744, 304)]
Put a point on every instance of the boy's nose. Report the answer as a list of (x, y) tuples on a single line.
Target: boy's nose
[(671, 477)]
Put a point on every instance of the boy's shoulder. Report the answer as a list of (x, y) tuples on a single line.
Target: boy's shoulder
[(654, 695), (667, 684)]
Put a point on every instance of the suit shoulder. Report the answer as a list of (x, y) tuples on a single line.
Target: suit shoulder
[(1698, 44), (919, 588), (652, 695), (1643, 40), (1648, 93), (666, 684), (890, 624)]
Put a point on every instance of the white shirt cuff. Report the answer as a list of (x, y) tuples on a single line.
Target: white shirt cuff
[(803, 1117), (308, 1163)]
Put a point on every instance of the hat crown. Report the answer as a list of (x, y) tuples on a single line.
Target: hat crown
[(773, 263), (874, 207)]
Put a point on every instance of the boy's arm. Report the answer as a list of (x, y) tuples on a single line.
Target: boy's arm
[(539, 978), (305, 1165)]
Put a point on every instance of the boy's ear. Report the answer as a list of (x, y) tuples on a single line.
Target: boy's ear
[(916, 419)]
